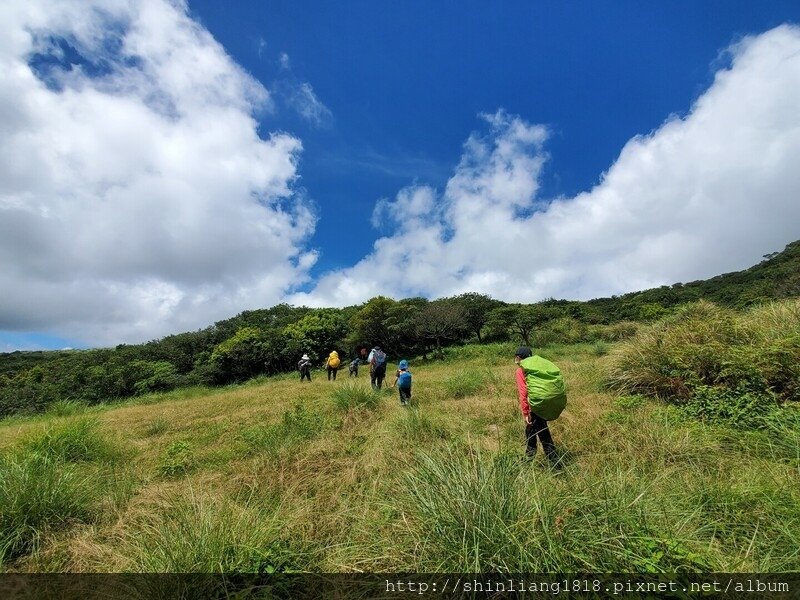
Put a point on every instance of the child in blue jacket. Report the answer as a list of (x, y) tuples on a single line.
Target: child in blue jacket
[(402, 380)]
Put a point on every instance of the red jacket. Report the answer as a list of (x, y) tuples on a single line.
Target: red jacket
[(522, 389)]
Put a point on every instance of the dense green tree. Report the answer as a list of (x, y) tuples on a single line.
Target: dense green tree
[(441, 322), (240, 357), (371, 323), (318, 333), (476, 309), (520, 320)]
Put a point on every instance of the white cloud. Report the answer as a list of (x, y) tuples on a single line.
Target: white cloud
[(136, 196), (303, 99), (702, 195), (299, 96)]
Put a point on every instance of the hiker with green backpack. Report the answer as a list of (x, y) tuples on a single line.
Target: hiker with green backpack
[(542, 397)]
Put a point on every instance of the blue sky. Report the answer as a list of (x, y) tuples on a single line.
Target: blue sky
[(405, 81), (174, 165)]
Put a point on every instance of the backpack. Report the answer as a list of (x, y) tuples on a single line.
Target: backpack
[(547, 394), (333, 360), (378, 358), (404, 380)]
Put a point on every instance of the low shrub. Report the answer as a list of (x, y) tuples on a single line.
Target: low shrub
[(726, 366), (739, 406), (178, 459)]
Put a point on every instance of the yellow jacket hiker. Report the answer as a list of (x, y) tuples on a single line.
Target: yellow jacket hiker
[(332, 364)]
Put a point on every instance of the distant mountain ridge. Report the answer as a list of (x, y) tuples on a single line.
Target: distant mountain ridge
[(775, 277)]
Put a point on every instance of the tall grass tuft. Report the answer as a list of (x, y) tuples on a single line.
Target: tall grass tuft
[(465, 383), (296, 425), (78, 440), (469, 512), (156, 427), (415, 426), (65, 408), (208, 534), (467, 506), (351, 396), (38, 495)]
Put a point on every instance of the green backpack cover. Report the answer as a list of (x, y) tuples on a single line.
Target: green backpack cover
[(547, 395)]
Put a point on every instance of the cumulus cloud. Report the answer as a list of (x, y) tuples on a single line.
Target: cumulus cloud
[(703, 194), (136, 196)]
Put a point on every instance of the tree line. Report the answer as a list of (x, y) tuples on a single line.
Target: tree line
[(270, 341)]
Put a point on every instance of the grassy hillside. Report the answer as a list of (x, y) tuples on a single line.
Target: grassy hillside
[(270, 341), (327, 476)]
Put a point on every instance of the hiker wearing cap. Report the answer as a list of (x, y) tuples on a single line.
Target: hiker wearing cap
[(403, 377), (377, 367), (332, 364), (353, 367), (304, 366), (542, 397)]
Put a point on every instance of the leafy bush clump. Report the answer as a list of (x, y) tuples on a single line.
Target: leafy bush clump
[(739, 406), (177, 459), (723, 365)]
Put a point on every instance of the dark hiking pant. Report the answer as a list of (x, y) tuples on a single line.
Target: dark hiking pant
[(405, 395), (376, 377), (538, 428), (331, 370), (305, 374)]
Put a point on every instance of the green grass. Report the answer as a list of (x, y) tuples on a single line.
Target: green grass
[(200, 533), (38, 496), (78, 440), (156, 427), (296, 425), (352, 395), (65, 408), (465, 383), (334, 477), (178, 459)]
